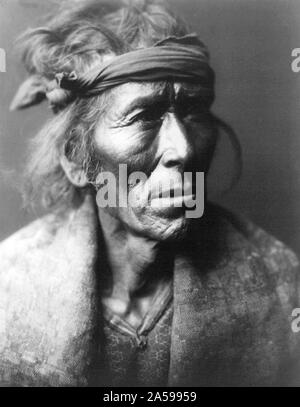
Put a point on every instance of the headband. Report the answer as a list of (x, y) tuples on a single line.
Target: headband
[(184, 58), (174, 58)]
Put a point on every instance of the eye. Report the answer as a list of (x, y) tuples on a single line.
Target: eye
[(152, 115), (195, 109), (197, 112)]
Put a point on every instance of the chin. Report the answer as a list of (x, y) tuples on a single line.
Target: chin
[(164, 229)]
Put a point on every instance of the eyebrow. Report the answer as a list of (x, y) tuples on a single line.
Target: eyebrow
[(154, 100), (191, 92), (193, 96), (145, 102)]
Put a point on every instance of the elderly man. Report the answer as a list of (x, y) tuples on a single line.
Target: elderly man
[(137, 292)]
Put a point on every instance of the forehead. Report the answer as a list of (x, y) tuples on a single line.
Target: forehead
[(131, 93)]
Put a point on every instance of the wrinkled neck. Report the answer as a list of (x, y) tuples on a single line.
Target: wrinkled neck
[(136, 265)]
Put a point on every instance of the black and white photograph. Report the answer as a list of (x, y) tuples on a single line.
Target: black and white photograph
[(149, 195)]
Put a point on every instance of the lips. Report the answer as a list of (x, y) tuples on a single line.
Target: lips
[(173, 193), (172, 199), (177, 202), (166, 193)]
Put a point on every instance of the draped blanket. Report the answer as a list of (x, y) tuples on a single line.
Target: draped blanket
[(234, 289)]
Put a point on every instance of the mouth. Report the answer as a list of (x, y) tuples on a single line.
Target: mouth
[(182, 201), (174, 193), (172, 198)]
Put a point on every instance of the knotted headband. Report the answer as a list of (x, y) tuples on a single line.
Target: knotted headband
[(174, 58), (185, 58)]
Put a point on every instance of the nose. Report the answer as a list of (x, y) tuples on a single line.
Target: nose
[(175, 147)]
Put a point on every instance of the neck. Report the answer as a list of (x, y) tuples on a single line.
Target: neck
[(136, 265)]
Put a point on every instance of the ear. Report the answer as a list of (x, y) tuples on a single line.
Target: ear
[(74, 172), (31, 92)]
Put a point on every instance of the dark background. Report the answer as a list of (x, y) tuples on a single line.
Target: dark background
[(250, 42)]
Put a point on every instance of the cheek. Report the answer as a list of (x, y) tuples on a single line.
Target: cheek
[(127, 146), (111, 147)]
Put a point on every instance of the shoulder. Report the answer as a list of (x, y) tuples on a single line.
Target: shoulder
[(277, 255), (29, 257), (262, 252), (48, 238), (33, 258), (47, 299), (35, 237), (276, 265)]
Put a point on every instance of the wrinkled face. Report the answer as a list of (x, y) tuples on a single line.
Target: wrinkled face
[(162, 130)]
